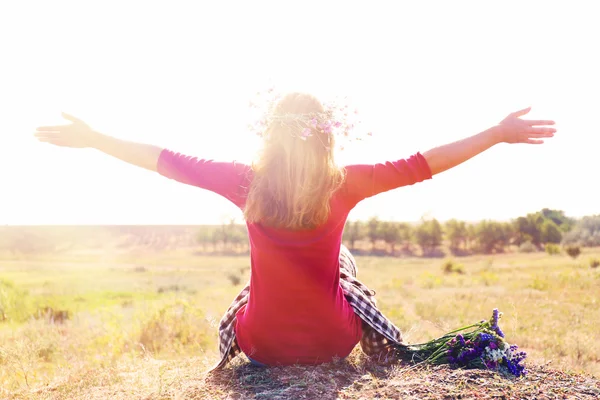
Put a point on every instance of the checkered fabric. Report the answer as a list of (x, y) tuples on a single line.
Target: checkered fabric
[(380, 335)]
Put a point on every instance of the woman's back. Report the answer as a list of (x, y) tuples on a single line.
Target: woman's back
[(296, 312)]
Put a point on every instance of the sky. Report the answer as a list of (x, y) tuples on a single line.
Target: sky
[(180, 74)]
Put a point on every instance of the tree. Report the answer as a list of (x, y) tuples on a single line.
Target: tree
[(406, 233), (544, 226), (529, 228), (353, 232), (204, 237), (429, 235), (390, 232), (374, 231), (493, 236), (564, 223), (456, 233), (217, 237), (550, 232), (586, 232), (471, 235), (238, 236)]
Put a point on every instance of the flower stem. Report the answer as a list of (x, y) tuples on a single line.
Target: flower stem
[(446, 335)]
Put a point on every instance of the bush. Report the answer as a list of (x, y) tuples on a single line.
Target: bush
[(234, 279), (552, 249), (450, 267), (173, 327), (170, 288), (527, 247), (573, 251), (15, 303), (594, 263)]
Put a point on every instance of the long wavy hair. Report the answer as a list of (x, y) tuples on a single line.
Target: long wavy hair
[(294, 179)]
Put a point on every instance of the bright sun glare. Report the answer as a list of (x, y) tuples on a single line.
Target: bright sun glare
[(180, 74)]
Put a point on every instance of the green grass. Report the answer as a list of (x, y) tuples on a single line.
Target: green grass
[(126, 308)]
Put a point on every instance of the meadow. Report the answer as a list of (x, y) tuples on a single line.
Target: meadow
[(74, 314)]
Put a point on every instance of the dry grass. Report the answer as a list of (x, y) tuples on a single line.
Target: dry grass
[(354, 378), (143, 325)]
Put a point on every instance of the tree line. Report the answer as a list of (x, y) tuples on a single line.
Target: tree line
[(460, 237), (430, 237)]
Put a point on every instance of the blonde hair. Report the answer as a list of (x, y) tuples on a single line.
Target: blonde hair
[(294, 179)]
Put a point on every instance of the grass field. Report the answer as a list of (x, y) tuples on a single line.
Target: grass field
[(84, 314)]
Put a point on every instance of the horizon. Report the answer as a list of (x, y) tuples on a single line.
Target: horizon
[(179, 79), (238, 222)]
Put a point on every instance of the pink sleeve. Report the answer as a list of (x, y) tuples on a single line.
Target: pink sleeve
[(229, 179), (367, 180)]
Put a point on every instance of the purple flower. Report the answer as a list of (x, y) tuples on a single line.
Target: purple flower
[(493, 346), (519, 357), (337, 124), (494, 321), (313, 122), (514, 366), (461, 339), (498, 331), (495, 317), (468, 355), (485, 337)]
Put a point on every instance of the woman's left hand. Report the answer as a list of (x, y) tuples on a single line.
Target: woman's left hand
[(513, 129)]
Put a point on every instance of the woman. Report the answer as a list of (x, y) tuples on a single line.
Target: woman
[(303, 304)]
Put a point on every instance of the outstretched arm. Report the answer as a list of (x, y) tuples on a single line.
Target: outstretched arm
[(79, 135), (512, 129)]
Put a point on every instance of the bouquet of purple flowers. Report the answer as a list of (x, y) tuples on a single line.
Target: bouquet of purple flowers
[(480, 345)]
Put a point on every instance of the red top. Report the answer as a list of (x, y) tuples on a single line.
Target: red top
[(296, 311)]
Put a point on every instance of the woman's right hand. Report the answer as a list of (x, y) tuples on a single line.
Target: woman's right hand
[(77, 134)]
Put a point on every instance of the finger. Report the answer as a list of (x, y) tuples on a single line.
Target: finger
[(520, 113), (55, 128), (46, 134), (533, 141), (53, 141), (46, 138), (540, 130), (70, 117), (540, 135), (533, 122)]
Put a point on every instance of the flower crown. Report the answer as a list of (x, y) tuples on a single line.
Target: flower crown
[(336, 119)]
